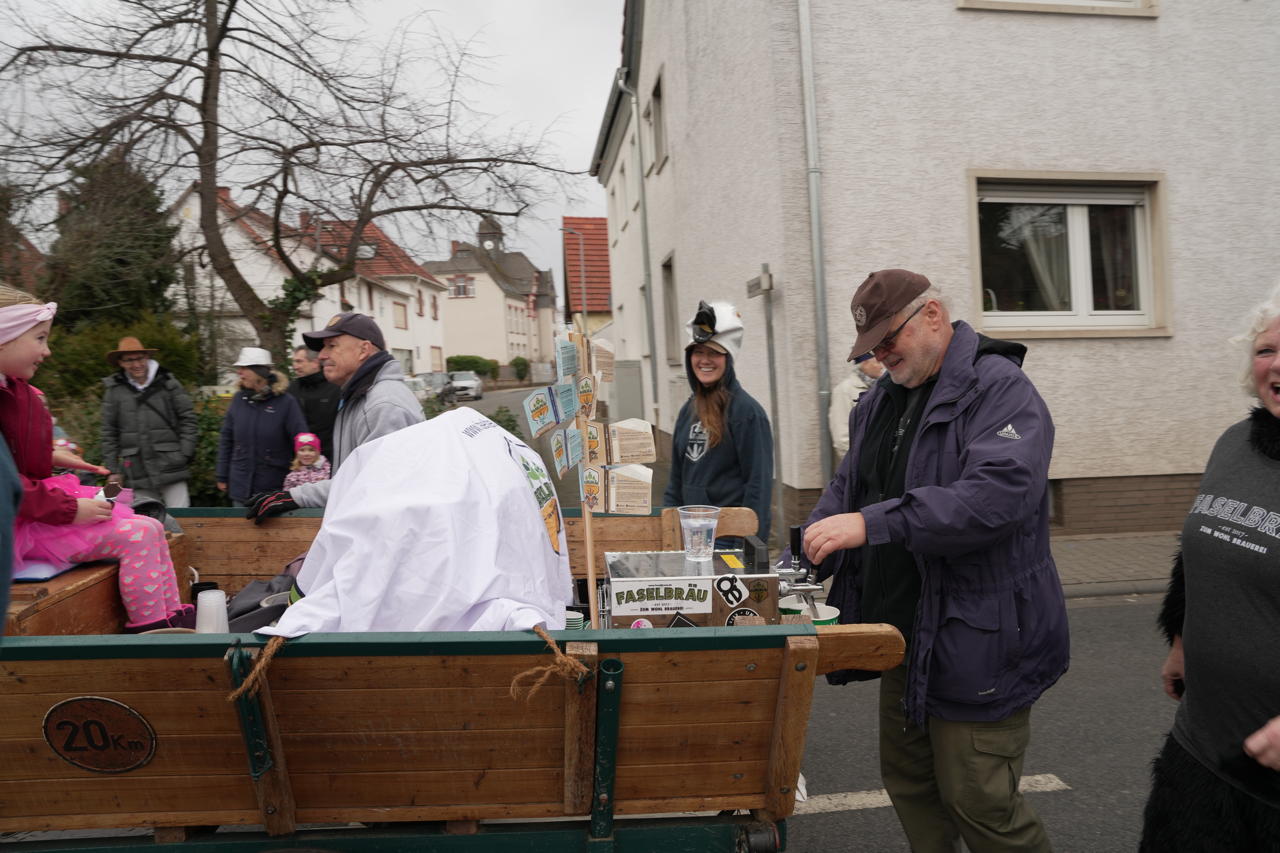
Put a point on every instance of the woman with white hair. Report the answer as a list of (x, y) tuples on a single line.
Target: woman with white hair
[(1216, 782), (722, 452), (255, 446)]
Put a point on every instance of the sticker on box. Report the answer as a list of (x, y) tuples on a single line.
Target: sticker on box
[(637, 596)]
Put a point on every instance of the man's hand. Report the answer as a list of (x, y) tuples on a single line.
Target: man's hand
[(1172, 671), (834, 533), (1264, 744), (91, 511), (266, 504)]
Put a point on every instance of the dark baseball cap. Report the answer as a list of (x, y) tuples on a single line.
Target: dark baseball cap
[(883, 294), (347, 323)]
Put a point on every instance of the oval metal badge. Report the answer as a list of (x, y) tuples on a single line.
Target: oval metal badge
[(99, 734)]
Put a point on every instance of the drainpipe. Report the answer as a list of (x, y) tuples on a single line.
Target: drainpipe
[(647, 287), (814, 170)]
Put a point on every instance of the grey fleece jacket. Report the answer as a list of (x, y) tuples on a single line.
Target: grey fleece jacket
[(387, 406)]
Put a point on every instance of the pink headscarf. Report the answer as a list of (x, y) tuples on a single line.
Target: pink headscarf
[(17, 319)]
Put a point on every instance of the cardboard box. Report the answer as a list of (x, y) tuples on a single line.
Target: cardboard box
[(650, 590), (631, 440)]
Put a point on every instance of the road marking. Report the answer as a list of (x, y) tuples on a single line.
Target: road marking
[(854, 800)]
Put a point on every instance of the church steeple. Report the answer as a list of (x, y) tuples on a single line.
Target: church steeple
[(489, 235)]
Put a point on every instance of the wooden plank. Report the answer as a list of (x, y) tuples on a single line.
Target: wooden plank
[(437, 709), (453, 750), (733, 521), (579, 736), (723, 665), (610, 533), (689, 804), (168, 712), (111, 675), (699, 702), (795, 696), (114, 820), (407, 671), (477, 811), (686, 743), (713, 779), (105, 794), (869, 646), (195, 754), (427, 787), (377, 673)]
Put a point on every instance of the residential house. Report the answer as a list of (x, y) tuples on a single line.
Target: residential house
[(21, 263), (387, 284), (586, 270), (1094, 178), (499, 305)]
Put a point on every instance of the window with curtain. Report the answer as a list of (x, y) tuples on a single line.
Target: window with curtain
[(1064, 254)]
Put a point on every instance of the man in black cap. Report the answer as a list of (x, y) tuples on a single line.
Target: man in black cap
[(937, 523), (375, 401)]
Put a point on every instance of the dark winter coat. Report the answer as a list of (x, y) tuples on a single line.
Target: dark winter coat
[(318, 398), (148, 436), (255, 447), (990, 631), (738, 471)]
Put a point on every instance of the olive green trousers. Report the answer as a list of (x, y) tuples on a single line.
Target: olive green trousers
[(956, 779)]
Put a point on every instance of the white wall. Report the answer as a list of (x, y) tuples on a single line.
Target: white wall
[(912, 95)]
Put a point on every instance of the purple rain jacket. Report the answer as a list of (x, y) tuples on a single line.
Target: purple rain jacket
[(991, 624)]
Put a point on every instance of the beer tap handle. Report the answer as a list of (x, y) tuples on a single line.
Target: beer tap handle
[(796, 543)]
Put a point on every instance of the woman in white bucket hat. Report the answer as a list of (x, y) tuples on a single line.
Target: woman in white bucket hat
[(256, 444)]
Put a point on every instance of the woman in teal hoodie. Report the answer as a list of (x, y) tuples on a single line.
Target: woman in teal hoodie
[(722, 449)]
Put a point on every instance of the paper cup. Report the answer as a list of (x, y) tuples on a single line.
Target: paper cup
[(827, 615), (211, 612)]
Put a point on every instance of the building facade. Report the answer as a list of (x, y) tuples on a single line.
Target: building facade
[(1059, 169)]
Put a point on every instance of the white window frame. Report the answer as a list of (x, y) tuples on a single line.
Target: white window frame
[(1077, 191), (1131, 8)]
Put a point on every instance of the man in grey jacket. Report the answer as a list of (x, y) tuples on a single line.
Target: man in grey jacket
[(148, 426), (375, 402)]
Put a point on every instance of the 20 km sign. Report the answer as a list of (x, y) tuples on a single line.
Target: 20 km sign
[(99, 734)]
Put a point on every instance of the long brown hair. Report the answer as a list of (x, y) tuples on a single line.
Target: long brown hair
[(710, 404)]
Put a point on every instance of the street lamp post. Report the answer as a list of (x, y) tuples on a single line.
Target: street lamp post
[(582, 275)]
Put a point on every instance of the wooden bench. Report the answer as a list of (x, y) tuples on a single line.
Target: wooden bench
[(229, 550), (82, 600), (395, 728)]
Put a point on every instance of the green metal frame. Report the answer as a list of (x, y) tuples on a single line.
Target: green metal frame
[(257, 746), (608, 701)]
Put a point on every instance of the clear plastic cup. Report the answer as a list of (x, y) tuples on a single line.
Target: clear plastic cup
[(698, 527)]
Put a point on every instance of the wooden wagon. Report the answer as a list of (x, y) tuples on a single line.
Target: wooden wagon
[(675, 740)]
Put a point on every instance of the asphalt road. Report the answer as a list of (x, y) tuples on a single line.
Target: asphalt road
[(1093, 737)]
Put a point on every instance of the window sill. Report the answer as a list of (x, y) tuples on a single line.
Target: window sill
[(1008, 332), (1150, 11)]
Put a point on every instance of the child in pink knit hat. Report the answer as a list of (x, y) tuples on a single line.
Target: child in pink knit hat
[(309, 466)]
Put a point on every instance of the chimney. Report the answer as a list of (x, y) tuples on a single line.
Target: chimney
[(304, 221), (453, 248), (224, 193)]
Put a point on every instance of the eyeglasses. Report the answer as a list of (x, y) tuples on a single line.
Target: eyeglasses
[(887, 341)]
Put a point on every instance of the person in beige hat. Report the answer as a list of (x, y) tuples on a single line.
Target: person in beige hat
[(148, 426)]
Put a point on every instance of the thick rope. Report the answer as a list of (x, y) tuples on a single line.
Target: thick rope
[(259, 671), (569, 669)]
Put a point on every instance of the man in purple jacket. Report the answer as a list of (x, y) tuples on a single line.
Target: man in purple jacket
[(937, 522)]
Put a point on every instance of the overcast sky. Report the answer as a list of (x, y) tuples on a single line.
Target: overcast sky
[(549, 66), (551, 63)]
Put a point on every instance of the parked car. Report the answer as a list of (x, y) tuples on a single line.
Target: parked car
[(466, 385), (420, 387)]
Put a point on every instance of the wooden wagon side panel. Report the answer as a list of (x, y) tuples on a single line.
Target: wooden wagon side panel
[(430, 737), (231, 551), (196, 774)]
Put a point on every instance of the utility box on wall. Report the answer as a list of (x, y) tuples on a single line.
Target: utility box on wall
[(626, 398)]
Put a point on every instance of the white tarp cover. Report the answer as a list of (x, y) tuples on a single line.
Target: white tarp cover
[(447, 525)]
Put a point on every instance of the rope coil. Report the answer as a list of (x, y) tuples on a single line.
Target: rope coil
[(569, 668)]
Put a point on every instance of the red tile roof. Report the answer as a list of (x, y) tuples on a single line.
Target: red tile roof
[(388, 257), (595, 259)]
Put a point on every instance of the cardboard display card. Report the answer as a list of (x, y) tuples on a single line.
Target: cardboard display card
[(566, 360), (631, 440), (602, 354), (593, 485), (629, 490), (566, 395), (559, 453), (583, 343), (596, 451), (540, 412), (587, 396), (573, 446)]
